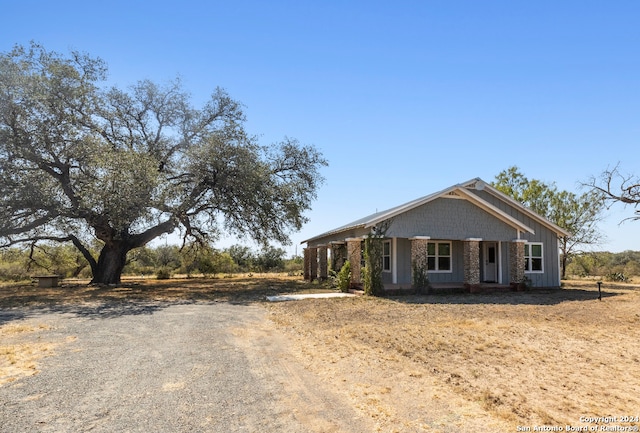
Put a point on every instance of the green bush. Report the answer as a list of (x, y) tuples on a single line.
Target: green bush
[(343, 278), (163, 274), (617, 277), (420, 278)]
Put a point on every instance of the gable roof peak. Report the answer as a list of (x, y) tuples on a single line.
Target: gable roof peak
[(459, 190)]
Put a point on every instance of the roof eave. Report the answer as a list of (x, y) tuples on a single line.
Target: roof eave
[(544, 221)]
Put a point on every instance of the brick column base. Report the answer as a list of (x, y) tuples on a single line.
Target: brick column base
[(307, 264), (338, 255), (516, 263), (323, 271), (313, 263), (354, 254), (419, 260), (472, 265)]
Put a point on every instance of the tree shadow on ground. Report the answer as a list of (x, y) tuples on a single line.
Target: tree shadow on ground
[(531, 297), (139, 297)]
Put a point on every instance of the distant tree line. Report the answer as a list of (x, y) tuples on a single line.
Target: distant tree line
[(609, 266), (161, 261)]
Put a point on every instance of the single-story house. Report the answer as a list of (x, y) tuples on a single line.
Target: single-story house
[(466, 235)]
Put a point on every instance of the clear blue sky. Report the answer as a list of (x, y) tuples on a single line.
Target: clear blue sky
[(403, 98)]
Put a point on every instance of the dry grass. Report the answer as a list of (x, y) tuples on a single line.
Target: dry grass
[(463, 363), (18, 357), (501, 360), (239, 288)]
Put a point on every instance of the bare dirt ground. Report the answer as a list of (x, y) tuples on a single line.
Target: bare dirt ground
[(488, 362), (498, 362)]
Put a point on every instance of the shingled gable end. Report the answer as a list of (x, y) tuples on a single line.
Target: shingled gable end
[(467, 235)]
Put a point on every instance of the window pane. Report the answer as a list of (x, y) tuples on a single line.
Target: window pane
[(536, 250), (444, 249), (431, 249), (444, 263), (386, 263), (536, 264), (526, 264), (431, 263), (387, 248), (526, 249)]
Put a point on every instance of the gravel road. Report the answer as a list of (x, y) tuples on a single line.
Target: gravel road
[(215, 367)]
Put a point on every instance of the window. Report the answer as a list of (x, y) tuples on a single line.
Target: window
[(386, 256), (533, 257), (439, 256)]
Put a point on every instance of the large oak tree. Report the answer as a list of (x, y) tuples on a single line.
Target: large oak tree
[(80, 161)]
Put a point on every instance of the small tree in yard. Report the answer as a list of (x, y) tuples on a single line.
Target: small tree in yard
[(79, 162)]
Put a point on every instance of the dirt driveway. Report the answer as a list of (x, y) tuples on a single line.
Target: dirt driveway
[(211, 355), (167, 367)]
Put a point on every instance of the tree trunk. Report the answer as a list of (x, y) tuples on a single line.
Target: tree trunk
[(111, 262)]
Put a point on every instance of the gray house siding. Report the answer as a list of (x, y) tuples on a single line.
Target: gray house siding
[(551, 266), (453, 216), (457, 266), (448, 218), (504, 262), (341, 236), (404, 260)]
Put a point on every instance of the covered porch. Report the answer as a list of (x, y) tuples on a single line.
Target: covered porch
[(471, 264), (448, 288)]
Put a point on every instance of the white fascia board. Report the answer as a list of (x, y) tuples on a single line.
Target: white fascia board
[(545, 222)]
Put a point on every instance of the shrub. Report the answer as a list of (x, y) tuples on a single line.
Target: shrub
[(163, 274), (343, 278), (420, 278), (617, 277), (372, 271)]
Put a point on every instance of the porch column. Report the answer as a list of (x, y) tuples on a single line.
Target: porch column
[(322, 262), (354, 254), (313, 263), (419, 257), (516, 262), (306, 253), (472, 264), (338, 255)]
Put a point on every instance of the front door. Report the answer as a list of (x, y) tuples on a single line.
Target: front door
[(490, 262)]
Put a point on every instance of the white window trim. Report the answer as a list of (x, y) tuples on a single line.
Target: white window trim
[(394, 261), (390, 256), (446, 271), (530, 257)]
